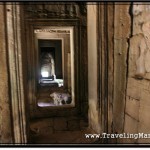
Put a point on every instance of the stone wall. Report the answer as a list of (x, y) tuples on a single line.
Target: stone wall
[(5, 120), (138, 83), (12, 97), (92, 69), (122, 27)]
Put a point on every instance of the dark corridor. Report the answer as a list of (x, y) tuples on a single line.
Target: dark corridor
[(53, 48)]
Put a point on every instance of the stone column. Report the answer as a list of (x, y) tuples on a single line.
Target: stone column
[(5, 118), (15, 62)]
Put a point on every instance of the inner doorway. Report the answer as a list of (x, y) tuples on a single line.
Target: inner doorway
[(55, 65), (68, 32), (50, 62)]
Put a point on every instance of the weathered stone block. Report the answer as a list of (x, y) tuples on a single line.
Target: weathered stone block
[(5, 113), (60, 124), (132, 107), (144, 115), (132, 67), (131, 126), (46, 130), (94, 122), (136, 26), (145, 98), (143, 129), (139, 20), (147, 76), (124, 22), (67, 136), (134, 92), (73, 118), (83, 124), (74, 125), (144, 124), (145, 84), (132, 82), (134, 53), (41, 123), (134, 44)]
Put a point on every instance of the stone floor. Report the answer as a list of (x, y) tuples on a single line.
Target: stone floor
[(60, 130), (57, 130), (44, 98)]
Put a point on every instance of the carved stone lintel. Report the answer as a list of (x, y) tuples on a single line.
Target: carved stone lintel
[(48, 10), (51, 11), (52, 31)]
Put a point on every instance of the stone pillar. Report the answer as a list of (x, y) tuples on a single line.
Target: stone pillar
[(92, 67), (122, 26), (5, 118), (16, 76)]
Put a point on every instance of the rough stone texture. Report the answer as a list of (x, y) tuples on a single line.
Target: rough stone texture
[(138, 108), (69, 136), (64, 137), (140, 14), (132, 107), (15, 59), (134, 92), (131, 126), (138, 91), (43, 123), (144, 115), (5, 120), (12, 120), (139, 61), (122, 25), (74, 125), (134, 52), (144, 124), (83, 124), (145, 98), (92, 69), (42, 126), (60, 124)]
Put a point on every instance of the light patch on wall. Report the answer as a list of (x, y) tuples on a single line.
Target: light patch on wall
[(44, 74)]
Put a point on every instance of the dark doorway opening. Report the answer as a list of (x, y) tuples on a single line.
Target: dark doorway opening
[(47, 62), (46, 50), (50, 60), (51, 89)]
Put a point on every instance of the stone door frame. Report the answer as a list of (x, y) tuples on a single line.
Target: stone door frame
[(16, 56), (36, 111)]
